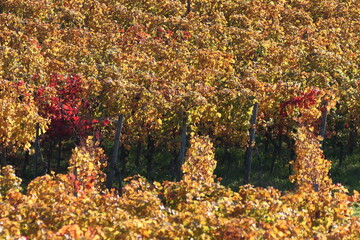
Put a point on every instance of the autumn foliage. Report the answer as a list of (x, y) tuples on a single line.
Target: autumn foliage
[(167, 67)]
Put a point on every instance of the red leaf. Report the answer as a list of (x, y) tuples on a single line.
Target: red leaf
[(106, 122), (75, 118)]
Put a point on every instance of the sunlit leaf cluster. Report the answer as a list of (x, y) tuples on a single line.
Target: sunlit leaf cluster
[(19, 115)]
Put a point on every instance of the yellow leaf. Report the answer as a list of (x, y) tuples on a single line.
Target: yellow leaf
[(91, 166)]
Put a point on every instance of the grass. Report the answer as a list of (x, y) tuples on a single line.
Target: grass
[(348, 173), (357, 210)]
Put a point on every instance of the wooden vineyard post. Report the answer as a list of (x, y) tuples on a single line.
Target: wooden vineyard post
[(58, 164), (322, 134), (76, 179), (115, 153), (37, 149), (323, 125), (249, 150), (48, 167), (149, 157), (188, 7), (181, 156), (3, 157)]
